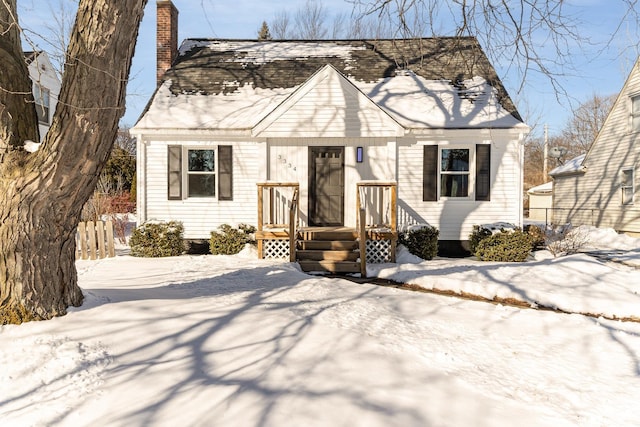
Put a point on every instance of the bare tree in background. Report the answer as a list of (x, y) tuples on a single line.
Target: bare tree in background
[(528, 36), (43, 192), (311, 21), (585, 123)]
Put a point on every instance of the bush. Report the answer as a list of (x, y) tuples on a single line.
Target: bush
[(421, 241), (566, 240), (537, 234), (505, 246), (229, 240), (157, 239), (477, 235)]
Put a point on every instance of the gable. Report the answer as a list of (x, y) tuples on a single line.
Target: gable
[(328, 105)]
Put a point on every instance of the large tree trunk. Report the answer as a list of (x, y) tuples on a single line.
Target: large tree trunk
[(43, 193)]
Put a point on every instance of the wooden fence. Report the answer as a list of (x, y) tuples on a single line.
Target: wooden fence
[(94, 240)]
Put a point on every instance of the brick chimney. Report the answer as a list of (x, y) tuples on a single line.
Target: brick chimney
[(166, 36)]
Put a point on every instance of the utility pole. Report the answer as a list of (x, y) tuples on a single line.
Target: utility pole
[(545, 152)]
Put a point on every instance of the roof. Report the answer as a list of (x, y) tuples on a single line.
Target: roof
[(572, 167), (422, 83), (545, 188)]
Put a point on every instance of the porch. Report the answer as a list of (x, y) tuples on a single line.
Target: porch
[(334, 249)]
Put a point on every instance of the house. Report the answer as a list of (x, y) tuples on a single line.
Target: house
[(599, 188), (540, 202), (46, 88), (412, 131)]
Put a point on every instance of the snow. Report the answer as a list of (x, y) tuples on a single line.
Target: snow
[(238, 341), (572, 166), (260, 53), (545, 188), (410, 99), (31, 146)]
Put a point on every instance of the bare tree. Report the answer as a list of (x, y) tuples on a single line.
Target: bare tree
[(585, 123), (43, 192), (527, 36), (311, 21), (281, 25)]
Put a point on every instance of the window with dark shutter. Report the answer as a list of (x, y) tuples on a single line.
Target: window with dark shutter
[(430, 173), (483, 172), (225, 160), (174, 172)]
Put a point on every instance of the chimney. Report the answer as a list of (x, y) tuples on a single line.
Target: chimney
[(166, 37)]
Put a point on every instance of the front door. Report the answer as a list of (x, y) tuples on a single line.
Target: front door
[(326, 186)]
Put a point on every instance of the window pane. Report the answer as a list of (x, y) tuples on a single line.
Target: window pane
[(454, 185), (202, 185), (456, 160), (201, 160), (627, 177)]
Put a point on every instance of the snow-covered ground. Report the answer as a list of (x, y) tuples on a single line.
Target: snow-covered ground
[(237, 341)]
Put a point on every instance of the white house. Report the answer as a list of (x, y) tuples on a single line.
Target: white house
[(349, 123), (600, 187), (46, 87)]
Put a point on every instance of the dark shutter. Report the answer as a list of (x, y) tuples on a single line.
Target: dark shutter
[(483, 172), (174, 172), (225, 162), (430, 173)]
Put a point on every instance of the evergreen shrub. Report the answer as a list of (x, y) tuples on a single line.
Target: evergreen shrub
[(229, 240), (505, 246), (421, 241), (157, 239), (478, 234)]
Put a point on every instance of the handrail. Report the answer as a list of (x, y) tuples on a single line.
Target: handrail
[(292, 224), (379, 202), (362, 238)]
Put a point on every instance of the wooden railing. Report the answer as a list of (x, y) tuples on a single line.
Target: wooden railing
[(94, 240), (277, 213), (377, 210)]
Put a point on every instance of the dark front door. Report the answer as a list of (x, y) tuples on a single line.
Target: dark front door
[(326, 186)]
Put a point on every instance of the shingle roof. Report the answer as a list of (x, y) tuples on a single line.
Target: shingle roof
[(214, 66)]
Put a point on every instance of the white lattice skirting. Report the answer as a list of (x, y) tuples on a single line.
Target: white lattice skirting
[(275, 249), (378, 251)]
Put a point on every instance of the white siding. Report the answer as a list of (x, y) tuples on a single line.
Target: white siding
[(329, 106), (41, 72), (455, 218), (289, 162), (594, 198), (200, 216)]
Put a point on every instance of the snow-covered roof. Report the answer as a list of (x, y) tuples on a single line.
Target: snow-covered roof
[(545, 188), (571, 167), (422, 83)]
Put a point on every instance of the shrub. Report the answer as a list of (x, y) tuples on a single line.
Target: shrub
[(229, 240), (537, 234), (505, 246), (566, 240), (478, 234), (421, 241), (157, 239)]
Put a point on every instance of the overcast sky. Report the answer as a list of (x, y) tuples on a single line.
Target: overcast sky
[(598, 69)]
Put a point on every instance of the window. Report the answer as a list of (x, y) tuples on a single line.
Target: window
[(635, 113), (626, 185), (450, 172), (199, 172), (41, 97), (454, 172)]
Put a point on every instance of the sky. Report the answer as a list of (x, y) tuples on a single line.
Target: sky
[(596, 69), (220, 340)]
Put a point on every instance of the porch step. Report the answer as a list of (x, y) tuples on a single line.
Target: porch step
[(330, 266), (328, 250), (328, 255), (327, 245)]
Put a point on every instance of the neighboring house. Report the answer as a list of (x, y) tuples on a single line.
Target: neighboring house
[(46, 87), (540, 202), (427, 120), (600, 188)]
